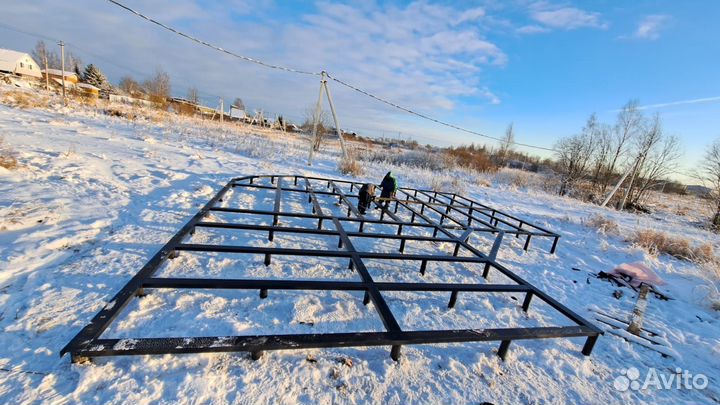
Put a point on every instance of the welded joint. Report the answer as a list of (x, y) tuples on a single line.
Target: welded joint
[(453, 299), (526, 302), (554, 245), (503, 349), (589, 345), (496, 245), (486, 270), (395, 352)]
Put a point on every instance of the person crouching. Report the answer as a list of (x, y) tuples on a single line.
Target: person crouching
[(365, 197)]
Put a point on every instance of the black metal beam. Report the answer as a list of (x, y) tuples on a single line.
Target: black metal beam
[(260, 343), (252, 284), (111, 310), (382, 308), (87, 343)]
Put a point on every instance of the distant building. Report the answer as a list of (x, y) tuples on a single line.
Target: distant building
[(55, 76), (698, 190), (19, 63), (237, 113), (89, 89), (117, 98)]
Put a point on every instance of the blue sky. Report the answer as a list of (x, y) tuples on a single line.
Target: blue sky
[(544, 65)]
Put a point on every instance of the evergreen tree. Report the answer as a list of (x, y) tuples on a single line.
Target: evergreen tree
[(94, 76), (75, 64)]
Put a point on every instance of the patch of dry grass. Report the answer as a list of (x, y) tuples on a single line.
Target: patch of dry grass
[(601, 223), (7, 156), (23, 99), (350, 165), (703, 254), (657, 242), (448, 184)]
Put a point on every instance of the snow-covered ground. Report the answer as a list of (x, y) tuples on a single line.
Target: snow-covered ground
[(96, 196)]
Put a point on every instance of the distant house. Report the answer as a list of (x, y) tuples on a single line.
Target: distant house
[(18, 63), (55, 76), (698, 190), (237, 113), (88, 89), (117, 98)]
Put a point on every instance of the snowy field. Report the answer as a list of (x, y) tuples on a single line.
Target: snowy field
[(96, 196)]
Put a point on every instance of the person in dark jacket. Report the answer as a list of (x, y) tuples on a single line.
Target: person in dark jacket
[(365, 197), (389, 186)]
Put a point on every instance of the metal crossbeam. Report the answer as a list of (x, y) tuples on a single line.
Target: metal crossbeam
[(454, 212)]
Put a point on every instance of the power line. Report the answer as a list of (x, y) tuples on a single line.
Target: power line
[(8, 27), (407, 110), (382, 100), (205, 95), (247, 58)]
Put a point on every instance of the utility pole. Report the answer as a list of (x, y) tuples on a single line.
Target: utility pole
[(630, 185), (620, 182), (47, 77), (316, 119), (62, 66), (222, 109)]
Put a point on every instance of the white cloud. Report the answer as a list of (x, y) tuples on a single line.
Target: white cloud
[(472, 14), (567, 18), (650, 27), (417, 54), (531, 29), (681, 102), (421, 55), (490, 96)]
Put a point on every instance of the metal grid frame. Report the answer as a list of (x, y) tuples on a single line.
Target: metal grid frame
[(88, 342)]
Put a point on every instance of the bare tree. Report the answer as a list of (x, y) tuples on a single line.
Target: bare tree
[(656, 157), (506, 145), (659, 165), (158, 87), (193, 96), (574, 157), (40, 52), (629, 123), (602, 141), (710, 175), (324, 125), (130, 86), (238, 103)]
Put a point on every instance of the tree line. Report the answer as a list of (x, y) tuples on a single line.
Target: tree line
[(633, 155), (635, 147), (157, 88)]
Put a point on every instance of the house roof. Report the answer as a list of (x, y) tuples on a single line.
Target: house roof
[(10, 55), (58, 72), (88, 86), (60, 81), (9, 58)]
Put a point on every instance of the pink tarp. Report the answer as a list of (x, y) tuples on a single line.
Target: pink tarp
[(638, 273)]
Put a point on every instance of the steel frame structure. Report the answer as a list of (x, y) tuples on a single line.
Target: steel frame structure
[(456, 213)]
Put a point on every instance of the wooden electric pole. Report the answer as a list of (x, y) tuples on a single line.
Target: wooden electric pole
[(47, 76), (222, 109), (62, 66), (315, 141)]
